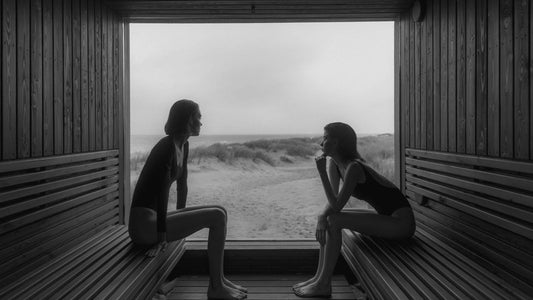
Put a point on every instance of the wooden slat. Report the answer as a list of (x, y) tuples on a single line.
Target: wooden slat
[(124, 125), (96, 271), (471, 77), (436, 74), (54, 197), (84, 77), (58, 75), (32, 241), (110, 95), (521, 79), (79, 270), (474, 199), (452, 75), (461, 77), (31, 230), (514, 245), (499, 179), (476, 285), (100, 279), (117, 56), (53, 274), (417, 79), (502, 265), (48, 174), (509, 196), (9, 80), (506, 79), (487, 282), (387, 286), (479, 233), (36, 37), (93, 240), (50, 186), (428, 103), (399, 275), (481, 77), (104, 80), (421, 268), (91, 72), (98, 73), (67, 77), (423, 85), (32, 163), (48, 78), (465, 256), (412, 91), (486, 162), (102, 195), (493, 101), (23, 79), (515, 227), (1, 80), (76, 77), (444, 75), (429, 77), (60, 248), (157, 274)]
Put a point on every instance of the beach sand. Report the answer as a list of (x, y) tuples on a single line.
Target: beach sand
[(263, 201)]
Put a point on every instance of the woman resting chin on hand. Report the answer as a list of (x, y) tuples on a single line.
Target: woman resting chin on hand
[(394, 218)]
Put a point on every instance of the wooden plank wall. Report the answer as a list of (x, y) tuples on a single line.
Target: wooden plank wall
[(466, 79), (59, 78)]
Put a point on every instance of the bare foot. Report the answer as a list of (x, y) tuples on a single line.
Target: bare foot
[(301, 284), (313, 290), (225, 293), (235, 286)]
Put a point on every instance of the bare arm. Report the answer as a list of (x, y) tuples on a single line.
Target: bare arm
[(181, 183), (334, 179), (336, 202)]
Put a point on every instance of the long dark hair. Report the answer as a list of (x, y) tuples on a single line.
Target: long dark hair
[(179, 115), (346, 140)]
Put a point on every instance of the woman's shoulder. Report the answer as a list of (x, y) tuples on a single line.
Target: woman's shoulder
[(162, 149), (356, 168)]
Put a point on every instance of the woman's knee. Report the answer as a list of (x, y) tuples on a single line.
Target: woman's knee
[(221, 208), (217, 217)]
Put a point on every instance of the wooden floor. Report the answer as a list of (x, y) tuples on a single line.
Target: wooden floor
[(260, 287)]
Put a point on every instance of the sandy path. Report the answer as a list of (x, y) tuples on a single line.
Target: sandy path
[(263, 202)]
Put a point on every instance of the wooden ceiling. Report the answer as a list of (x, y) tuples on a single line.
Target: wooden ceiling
[(250, 11)]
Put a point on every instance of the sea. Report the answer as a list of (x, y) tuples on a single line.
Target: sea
[(143, 142)]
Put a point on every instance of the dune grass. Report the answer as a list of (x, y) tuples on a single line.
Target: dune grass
[(378, 151)]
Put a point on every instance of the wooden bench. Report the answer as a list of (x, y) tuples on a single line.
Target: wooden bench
[(474, 235), (61, 234)]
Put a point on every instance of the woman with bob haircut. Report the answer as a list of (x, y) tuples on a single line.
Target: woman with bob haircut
[(394, 218), (149, 222)]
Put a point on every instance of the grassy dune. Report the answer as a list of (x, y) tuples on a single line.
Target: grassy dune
[(378, 151), (270, 188)]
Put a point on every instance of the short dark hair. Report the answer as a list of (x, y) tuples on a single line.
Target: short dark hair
[(180, 113), (346, 139)]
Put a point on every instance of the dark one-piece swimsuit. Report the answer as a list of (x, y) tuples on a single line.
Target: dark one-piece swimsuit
[(384, 199)]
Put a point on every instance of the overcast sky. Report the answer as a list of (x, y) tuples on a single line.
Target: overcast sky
[(285, 78)]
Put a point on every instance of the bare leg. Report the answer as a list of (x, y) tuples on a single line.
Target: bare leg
[(321, 256), (398, 226), (323, 252), (224, 279), (183, 223)]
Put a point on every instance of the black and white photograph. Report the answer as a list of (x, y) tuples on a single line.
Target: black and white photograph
[(266, 149)]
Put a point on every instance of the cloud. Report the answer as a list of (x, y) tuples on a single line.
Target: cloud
[(264, 78)]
